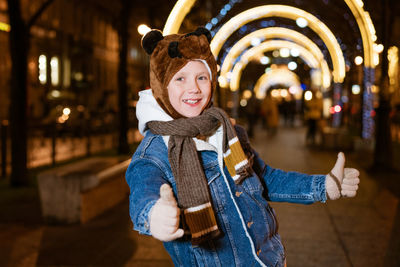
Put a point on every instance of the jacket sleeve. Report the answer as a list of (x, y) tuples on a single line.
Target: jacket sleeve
[(282, 186), (293, 187), (144, 177)]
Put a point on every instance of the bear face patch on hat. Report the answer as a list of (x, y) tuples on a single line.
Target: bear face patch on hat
[(168, 54)]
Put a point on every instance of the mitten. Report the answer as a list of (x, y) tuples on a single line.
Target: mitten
[(333, 181), (164, 216), (342, 181), (350, 182)]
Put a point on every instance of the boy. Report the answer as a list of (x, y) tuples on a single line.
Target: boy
[(196, 184)]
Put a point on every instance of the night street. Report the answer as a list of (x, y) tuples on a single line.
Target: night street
[(114, 116)]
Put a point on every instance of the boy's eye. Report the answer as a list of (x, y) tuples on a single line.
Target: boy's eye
[(179, 79)]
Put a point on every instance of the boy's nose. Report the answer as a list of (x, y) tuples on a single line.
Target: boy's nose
[(194, 87)]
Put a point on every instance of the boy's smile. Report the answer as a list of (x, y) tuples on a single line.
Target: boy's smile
[(189, 90)]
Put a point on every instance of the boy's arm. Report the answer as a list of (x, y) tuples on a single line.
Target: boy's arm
[(144, 178), (302, 188), (294, 187)]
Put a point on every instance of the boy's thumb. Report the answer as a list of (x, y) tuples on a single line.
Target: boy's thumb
[(166, 194), (338, 169)]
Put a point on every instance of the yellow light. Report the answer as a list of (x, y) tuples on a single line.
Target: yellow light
[(143, 29), (178, 13), (286, 12), (284, 52), (364, 22), (376, 59), (4, 27), (223, 83), (374, 89), (378, 48), (42, 69), (281, 33), (276, 76), (275, 93), (355, 89), (367, 30), (54, 71), (308, 95), (66, 111), (358, 60), (247, 94), (283, 93), (267, 46), (393, 68)]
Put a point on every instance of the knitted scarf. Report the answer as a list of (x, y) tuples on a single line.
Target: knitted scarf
[(193, 192)]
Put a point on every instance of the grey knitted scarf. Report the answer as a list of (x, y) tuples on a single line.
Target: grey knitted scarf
[(193, 192)]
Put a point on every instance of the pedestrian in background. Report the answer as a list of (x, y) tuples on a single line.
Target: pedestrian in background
[(270, 111), (312, 115)]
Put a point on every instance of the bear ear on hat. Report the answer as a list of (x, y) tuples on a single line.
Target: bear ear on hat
[(201, 30), (150, 40)]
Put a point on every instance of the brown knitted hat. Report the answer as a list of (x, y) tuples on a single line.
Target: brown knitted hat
[(168, 54)]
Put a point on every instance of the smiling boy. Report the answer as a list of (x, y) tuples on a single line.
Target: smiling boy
[(196, 183)]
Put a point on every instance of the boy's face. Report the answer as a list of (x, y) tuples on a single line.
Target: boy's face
[(189, 90)]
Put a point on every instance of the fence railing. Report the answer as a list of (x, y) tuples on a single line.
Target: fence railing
[(50, 144)]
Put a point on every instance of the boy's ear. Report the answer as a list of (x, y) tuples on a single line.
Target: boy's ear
[(150, 40)]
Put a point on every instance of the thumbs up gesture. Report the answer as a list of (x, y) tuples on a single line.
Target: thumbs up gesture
[(164, 216), (342, 181)]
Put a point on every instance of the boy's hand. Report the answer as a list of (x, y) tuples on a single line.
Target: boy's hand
[(342, 181), (164, 216)]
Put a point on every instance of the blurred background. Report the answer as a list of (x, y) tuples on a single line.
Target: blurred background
[(306, 78)]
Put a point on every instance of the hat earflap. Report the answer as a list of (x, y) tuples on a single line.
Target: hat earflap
[(150, 40)]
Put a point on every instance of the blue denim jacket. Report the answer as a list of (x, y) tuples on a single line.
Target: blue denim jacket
[(250, 229)]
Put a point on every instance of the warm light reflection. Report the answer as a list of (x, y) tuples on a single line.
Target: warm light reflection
[(178, 13), (276, 76), (42, 69), (393, 68), (282, 33), (355, 89), (143, 29), (54, 71), (4, 27), (364, 22), (267, 46), (286, 12), (358, 60), (308, 95)]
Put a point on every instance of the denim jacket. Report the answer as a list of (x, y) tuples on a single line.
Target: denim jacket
[(250, 229)]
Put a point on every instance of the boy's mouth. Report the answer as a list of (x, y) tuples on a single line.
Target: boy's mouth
[(191, 101)]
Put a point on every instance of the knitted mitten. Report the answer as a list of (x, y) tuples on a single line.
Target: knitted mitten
[(164, 216), (341, 181)]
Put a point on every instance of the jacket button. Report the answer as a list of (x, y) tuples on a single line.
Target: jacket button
[(249, 224), (238, 193)]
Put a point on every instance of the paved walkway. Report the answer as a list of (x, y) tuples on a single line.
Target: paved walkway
[(349, 232)]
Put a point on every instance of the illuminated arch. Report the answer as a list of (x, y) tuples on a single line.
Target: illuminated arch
[(267, 46), (276, 76), (362, 17), (276, 32), (339, 70)]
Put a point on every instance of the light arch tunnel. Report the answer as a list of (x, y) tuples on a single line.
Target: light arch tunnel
[(277, 76), (364, 22), (266, 46), (271, 45), (276, 32)]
